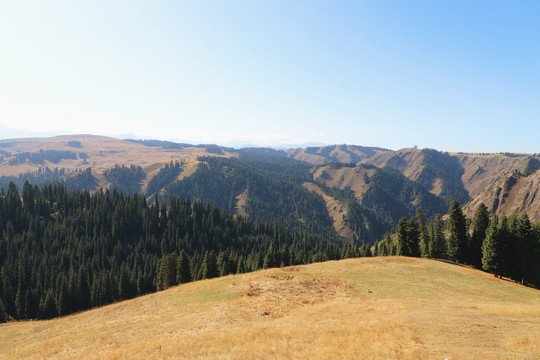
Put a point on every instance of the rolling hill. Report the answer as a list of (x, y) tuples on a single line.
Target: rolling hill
[(387, 307), (354, 192)]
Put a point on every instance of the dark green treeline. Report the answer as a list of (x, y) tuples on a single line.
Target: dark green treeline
[(504, 246), (63, 251)]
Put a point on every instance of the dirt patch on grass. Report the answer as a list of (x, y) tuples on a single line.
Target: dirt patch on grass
[(276, 295)]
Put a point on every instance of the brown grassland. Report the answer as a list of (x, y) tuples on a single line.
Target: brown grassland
[(368, 308)]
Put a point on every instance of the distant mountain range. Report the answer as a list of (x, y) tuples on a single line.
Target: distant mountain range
[(349, 191)]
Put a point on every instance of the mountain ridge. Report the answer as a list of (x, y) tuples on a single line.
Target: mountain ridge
[(470, 178)]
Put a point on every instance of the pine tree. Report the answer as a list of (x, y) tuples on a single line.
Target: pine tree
[(166, 273), (209, 268), (286, 255), (402, 237), (480, 225), (83, 288), (413, 238), (270, 258), (48, 308), (20, 301), (491, 249), (3, 313), (223, 263), (525, 257), (183, 271), (424, 233), (505, 240), (437, 243), (457, 240), (124, 285)]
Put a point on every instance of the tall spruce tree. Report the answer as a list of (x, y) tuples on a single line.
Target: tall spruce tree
[(183, 271), (407, 244), (437, 243), (413, 238), (424, 233), (479, 225), (209, 268), (457, 239), (492, 249), (505, 239), (402, 238), (525, 260)]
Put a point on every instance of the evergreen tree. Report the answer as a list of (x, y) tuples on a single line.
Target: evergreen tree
[(402, 238), (166, 272), (183, 271), (48, 308), (525, 260), (480, 225), (408, 238), (505, 241), (223, 263), (83, 289), (270, 258), (457, 240), (286, 255), (492, 249), (209, 268), (412, 238), (3, 312), (424, 233), (437, 243)]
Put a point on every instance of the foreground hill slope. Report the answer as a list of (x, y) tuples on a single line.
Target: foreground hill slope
[(389, 307)]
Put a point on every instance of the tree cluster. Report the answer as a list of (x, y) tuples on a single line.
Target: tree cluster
[(504, 246), (125, 179), (165, 176), (39, 157)]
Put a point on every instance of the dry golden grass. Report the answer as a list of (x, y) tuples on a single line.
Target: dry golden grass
[(380, 308), (103, 153), (353, 178), (336, 209)]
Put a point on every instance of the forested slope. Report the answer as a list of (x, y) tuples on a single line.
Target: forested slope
[(63, 251)]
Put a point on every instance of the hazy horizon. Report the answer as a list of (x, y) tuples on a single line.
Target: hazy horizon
[(454, 76)]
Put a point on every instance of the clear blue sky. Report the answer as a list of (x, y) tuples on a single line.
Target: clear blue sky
[(451, 75)]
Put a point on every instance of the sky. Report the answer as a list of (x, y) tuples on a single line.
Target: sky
[(450, 75)]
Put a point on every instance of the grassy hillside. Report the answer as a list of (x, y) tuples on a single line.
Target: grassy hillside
[(101, 153), (334, 153), (382, 308)]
